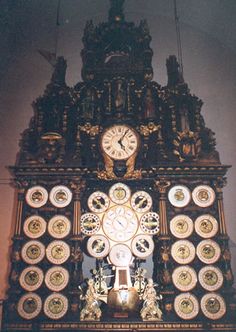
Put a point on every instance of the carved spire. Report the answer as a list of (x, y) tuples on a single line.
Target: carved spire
[(175, 76), (116, 11)]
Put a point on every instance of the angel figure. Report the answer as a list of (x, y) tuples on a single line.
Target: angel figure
[(91, 310), (150, 310)]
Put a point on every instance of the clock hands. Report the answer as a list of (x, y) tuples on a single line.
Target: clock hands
[(121, 139)]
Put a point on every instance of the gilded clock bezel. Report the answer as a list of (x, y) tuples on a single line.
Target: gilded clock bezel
[(47, 310), (116, 261), (186, 219), (29, 260), (186, 199), (112, 195), (194, 300), (31, 191), (97, 222), (49, 253), (106, 250), (99, 194), (52, 232), (109, 129), (215, 226), (211, 194), (220, 278), (48, 282), (27, 231), (176, 274), (215, 246), (57, 203), (25, 285), (134, 249), (192, 252), (144, 194), (20, 306), (220, 299), (144, 227)]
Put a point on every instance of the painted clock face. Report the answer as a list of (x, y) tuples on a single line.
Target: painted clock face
[(213, 306), (183, 251), (31, 278), (179, 196), (181, 226), (56, 278), (98, 246), (58, 252), (141, 201), (206, 226), (186, 306), (210, 278), (36, 196), (120, 223), (29, 306), (149, 223), (90, 223), (55, 306), (120, 255), (34, 227), (142, 246), (59, 226), (119, 193), (203, 196), (33, 252), (208, 251), (184, 278), (119, 142), (98, 202)]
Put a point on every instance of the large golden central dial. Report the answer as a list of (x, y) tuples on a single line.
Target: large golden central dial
[(119, 142), (120, 223)]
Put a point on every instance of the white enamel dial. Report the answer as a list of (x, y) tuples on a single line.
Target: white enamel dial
[(184, 278), (141, 201), (120, 255), (203, 196), (119, 142), (183, 251), (142, 246), (210, 278), (90, 223), (206, 226), (98, 246), (98, 202), (149, 223), (213, 306), (119, 193), (29, 306), (208, 251), (186, 306), (120, 223), (181, 226), (55, 306)]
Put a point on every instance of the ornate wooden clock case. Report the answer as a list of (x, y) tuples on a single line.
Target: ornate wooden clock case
[(119, 168)]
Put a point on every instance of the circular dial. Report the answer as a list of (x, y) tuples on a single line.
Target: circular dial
[(90, 223), (142, 245), (60, 196), (149, 223), (186, 306), (120, 255), (31, 278), (55, 306), (36, 196), (183, 251), (184, 278), (119, 142), (59, 227), (203, 196), (181, 226), (210, 278), (179, 196), (208, 251), (120, 223), (34, 227), (141, 201), (33, 252), (119, 193), (98, 202), (213, 306), (98, 246), (206, 226), (56, 278), (29, 306), (58, 252)]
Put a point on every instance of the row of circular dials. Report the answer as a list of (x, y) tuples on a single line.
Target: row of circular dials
[(212, 305), (57, 252), (182, 226), (30, 305), (185, 278), (58, 226), (183, 251), (32, 277), (120, 224), (37, 196), (180, 196)]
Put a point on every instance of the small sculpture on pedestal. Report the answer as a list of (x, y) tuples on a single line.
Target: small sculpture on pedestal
[(150, 310), (91, 310)]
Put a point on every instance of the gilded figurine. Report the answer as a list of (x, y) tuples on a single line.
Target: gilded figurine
[(91, 310), (150, 310)]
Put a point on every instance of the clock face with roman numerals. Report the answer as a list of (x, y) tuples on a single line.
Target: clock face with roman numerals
[(119, 142)]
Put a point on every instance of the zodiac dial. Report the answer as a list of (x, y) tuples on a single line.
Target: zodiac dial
[(119, 142)]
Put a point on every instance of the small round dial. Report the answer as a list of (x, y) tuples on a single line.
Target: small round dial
[(34, 227), (184, 278), (206, 226), (98, 246), (120, 223), (29, 306), (179, 196), (213, 306), (183, 251), (31, 278), (55, 306), (181, 226), (60, 196), (33, 252), (141, 201), (149, 223), (142, 245), (98, 202), (210, 278), (119, 142), (36, 196), (203, 196), (119, 193), (56, 278), (58, 252), (120, 255), (186, 306), (90, 223), (208, 251), (59, 227)]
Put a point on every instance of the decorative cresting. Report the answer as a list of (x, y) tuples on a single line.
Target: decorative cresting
[(121, 169)]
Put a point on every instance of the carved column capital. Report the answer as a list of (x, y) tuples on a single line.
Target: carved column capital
[(161, 185)]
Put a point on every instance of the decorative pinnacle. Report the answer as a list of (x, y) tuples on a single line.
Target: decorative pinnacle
[(116, 11)]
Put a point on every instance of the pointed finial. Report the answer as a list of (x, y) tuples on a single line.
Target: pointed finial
[(116, 11)]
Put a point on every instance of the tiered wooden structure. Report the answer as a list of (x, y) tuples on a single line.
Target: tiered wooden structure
[(62, 147)]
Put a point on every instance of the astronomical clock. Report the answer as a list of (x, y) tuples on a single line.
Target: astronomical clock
[(125, 171)]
